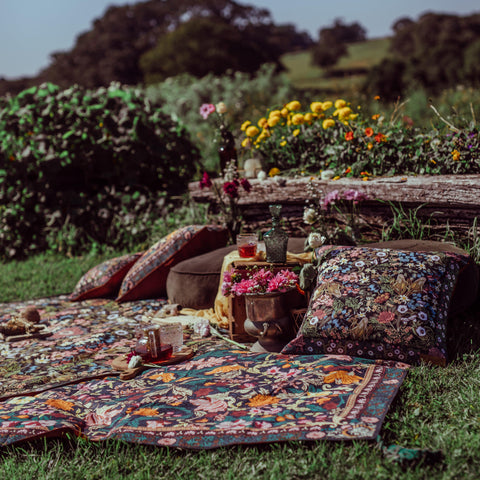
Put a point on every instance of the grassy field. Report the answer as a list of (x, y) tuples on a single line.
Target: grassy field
[(362, 55)]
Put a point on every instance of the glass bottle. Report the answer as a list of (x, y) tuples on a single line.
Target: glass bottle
[(276, 238), (227, 150)]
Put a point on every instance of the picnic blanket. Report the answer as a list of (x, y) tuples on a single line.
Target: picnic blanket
[(221, 396)]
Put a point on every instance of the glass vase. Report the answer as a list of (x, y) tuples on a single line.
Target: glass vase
[(227, 150), (276, 238)]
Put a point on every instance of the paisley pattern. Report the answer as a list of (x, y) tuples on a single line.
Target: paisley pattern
[(104, 280), (380, 303)]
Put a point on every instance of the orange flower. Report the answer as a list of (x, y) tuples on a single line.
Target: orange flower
[(370, 145), (369, 132), (348, 170), (146, 412), (341, 376), (380, 137), (61, 404), (455, 155), (349, 136), (260, 400), (376, 97), (376, 116)]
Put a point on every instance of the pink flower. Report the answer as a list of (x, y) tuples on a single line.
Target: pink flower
[(205, 182), (330, 199), (386, 317), (206, 109), (244, 286), (355, 196)]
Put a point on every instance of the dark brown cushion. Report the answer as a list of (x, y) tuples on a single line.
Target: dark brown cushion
[(194, 283), (467, 288)]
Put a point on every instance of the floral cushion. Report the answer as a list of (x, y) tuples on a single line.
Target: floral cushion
[(104, 280), (380, 303), (148, 277)]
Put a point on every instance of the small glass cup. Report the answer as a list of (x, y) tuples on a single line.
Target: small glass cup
[(247, 245)]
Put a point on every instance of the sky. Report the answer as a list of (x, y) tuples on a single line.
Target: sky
[(31, 30)]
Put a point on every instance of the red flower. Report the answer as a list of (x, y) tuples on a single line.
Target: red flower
[(380, 137), (349, 136), (231, 189), (369, 132), (205, 182), (245, 184)]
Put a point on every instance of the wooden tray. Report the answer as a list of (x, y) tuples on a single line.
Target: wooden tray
[(25, 336), (120, 363)]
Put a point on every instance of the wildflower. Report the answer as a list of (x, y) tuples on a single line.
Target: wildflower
[(283, 143), (293, 106), (309, 216), (327, 105), (376, 97), (376, 116), (355, 196), (316, 107), (349, 136), (221, 108), (273, 171), (298, 119), (296, 132), (231, 189), (330, 199), (245, 124), (340, 103), (284, 111), (336, 177), (205, 182), (275, 113), (433, 161), (308, 118), (343, 113), (206, 109), (369, 132), (252, 131), (262, 122), (246, 185), (379, 137), (370, 145), (456, 155), (347, 170), (273, 121), (246, 142), (328, 123)]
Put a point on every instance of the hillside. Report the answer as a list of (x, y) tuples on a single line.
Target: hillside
[(348, 74)]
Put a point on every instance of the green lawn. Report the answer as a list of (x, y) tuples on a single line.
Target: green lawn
[(304, 75)]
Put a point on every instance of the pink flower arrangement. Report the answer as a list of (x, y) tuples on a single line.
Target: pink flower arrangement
[(257, 280)]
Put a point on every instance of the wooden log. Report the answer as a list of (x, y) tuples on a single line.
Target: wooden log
[(452, 200)]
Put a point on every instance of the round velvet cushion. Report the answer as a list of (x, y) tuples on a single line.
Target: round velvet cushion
[(467, 288), (194, 283)]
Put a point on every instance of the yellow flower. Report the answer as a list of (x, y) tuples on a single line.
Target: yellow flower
[(275, 113), (328, 123), (252, 131), (370, 146), (284, 112), (308, 117), (336, 178), (283, 143), (262, 122), (272, 121), (433, 161), (316, 107), (263, 135), (343, 113), (246, 143), (327, 105), (298, 119), (296, 132), (273, 171), (293, 106), (245, 125), (456, 155), (340, 103)]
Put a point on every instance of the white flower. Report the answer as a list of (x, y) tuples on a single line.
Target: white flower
[(221, 108), (135, 361), (309, 216), (316, 240), (327, 174), (261, 175)]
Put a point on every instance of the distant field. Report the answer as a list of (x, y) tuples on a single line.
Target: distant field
[(362, 55)]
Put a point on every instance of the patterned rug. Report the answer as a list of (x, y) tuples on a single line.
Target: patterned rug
[(86, 337), (221, 396)]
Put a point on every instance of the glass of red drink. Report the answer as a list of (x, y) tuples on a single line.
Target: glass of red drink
[(247, 245)]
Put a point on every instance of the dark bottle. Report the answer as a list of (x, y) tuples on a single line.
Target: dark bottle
[(276, 238), (227, 150)]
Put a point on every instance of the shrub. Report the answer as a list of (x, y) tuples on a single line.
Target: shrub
[(84, 161)]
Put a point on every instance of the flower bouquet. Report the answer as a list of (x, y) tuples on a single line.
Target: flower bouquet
[(257, 280)]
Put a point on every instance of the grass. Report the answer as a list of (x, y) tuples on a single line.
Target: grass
[(363, 55), (436, 408)]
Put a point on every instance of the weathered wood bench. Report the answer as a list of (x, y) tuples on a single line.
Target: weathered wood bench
[(445, 200)]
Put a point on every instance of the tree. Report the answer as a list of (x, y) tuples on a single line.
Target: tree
[(332, 43)]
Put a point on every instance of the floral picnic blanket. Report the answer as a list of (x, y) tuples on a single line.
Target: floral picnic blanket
[(221, 396)]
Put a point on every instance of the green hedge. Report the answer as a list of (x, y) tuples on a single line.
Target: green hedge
[(81, 163)]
